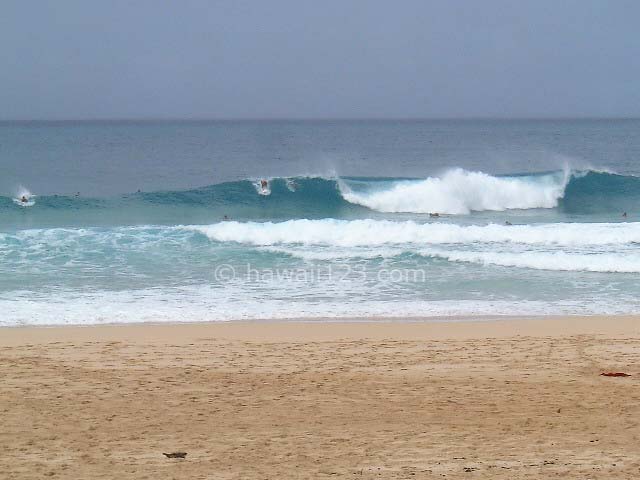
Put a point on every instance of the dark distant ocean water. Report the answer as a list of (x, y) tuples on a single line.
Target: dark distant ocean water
[(125, 221)]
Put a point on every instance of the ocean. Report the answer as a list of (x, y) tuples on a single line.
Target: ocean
[(169, 221)]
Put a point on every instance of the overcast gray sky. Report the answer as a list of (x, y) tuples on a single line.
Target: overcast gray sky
[(308, 58)]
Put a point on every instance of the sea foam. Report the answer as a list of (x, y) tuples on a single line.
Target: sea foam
[(369, 232), (461, 191)]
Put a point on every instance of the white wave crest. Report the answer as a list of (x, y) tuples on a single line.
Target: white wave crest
[(460, 191), (555, 261), (362, 233)]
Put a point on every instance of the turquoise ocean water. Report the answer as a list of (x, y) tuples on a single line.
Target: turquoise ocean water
[(125, 221)]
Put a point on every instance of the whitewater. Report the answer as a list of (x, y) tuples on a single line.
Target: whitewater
[(243, 221), (460, 192), (489, 230)]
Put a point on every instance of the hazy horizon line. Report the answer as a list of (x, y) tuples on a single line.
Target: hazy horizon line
[(305, 119)]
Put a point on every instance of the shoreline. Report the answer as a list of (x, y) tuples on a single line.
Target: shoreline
[(331, 328)]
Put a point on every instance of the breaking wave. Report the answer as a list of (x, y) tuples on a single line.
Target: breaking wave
[(368, 232), (456, 192), (460, 191)]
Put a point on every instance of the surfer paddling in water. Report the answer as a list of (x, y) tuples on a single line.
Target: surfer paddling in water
[(24, 200)]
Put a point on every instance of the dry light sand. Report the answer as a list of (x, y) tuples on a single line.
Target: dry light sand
[(503, 399)]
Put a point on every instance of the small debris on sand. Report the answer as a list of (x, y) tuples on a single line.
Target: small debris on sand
[(175, 455)]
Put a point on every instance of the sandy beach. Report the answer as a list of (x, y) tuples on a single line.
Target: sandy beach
[(490, 399)]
